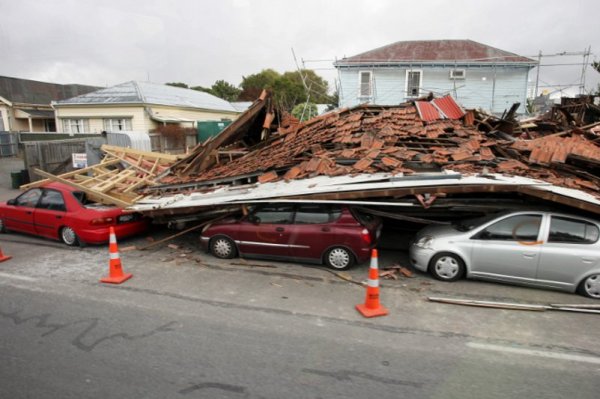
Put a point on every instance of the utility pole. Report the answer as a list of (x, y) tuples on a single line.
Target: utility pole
[(586, 60), (537, 77)]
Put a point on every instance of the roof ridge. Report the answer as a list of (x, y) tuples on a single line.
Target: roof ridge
[(139, 92)]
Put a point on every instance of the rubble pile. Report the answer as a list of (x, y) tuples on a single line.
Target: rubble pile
[(422, 136)]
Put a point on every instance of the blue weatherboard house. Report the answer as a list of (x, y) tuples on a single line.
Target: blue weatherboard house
[(477, 75)]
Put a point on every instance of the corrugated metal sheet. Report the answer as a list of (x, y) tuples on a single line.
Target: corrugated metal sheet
[(448, 107), (437, 50), (135, 140), (427, 111), (152, 93)]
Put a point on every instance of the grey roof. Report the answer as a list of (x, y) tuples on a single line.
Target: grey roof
[(151, 93), (241, 105), (42, 93)]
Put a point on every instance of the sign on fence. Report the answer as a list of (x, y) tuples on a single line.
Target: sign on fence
[(79, 160)]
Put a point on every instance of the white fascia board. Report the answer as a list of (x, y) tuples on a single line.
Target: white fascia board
[(325, 184)]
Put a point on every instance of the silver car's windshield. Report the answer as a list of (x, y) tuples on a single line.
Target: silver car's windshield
[(470, 224)]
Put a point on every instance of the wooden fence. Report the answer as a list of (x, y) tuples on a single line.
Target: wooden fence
[(55, 156)]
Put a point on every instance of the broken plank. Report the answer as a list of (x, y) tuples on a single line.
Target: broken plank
[(93, 195), (489, 304), (68, 174)]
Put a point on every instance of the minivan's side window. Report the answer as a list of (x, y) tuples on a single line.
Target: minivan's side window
[(52, 200), (514, 228), (29, 198), (567, 230), (275, 214), (312, 214)]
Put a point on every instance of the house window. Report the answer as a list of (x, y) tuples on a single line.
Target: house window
[(117, 124), (49, 125), (457, 74), (76, 125), (413, 83), (365, 84)]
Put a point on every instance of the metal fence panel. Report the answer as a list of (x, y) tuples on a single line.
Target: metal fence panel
[(9, 144)]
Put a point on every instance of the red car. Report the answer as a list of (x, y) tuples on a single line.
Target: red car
[(314, 233), (61, 212)]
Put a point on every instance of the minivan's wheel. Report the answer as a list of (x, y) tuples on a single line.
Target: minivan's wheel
[(68, 236), (339, 258), (590, 287), (447, 267), (222, 247)]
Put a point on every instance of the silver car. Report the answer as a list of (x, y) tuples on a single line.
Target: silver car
[(541, 249)]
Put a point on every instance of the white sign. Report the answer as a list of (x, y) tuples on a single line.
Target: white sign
[(79, 160)]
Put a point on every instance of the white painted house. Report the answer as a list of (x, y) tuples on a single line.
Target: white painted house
[(139, 106), (477, 75)]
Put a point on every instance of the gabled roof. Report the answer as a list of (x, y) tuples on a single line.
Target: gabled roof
[(28, 91), (436, 51), (153, 94)]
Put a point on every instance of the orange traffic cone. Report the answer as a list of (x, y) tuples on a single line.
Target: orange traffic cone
[(4, 257), (372, 307), (115, 272)]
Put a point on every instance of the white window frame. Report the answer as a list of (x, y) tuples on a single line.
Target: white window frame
[(464, 74), (76, 125), (408, 71), (360, 94), (117, 124)]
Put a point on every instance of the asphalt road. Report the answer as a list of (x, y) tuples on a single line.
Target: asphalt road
[(189, 326)]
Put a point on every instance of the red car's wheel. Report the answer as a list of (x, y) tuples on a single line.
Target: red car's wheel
[(339, 258), (68, 236), (223, 247)]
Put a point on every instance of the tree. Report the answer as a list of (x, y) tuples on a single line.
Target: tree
[(225, 90), (305, 111), (253, 85), (177, 84), (221, 89), (289, 88), (596, 66)]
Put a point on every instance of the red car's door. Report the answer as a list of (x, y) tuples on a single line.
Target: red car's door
[(50, 213), (267, 231), (312, 232), (19, 212)]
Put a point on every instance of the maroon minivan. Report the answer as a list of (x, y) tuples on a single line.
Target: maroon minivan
[(314, 233)]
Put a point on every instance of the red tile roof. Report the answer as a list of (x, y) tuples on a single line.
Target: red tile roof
[(437, 51), (449, 107)]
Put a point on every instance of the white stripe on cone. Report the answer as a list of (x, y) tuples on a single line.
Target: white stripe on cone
[(113, 239), (373, 283), (114, 255)]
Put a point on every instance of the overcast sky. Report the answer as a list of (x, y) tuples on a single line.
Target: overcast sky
[(197, 42)]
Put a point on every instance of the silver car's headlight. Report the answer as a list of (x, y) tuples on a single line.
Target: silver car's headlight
[(424, 242)]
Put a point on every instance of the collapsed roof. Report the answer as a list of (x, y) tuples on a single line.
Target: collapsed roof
[(410, 142), (428, 153)]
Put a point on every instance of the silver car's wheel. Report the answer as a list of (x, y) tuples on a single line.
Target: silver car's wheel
[(68, 236), (591, 286), (447, 267), (339, 258), (222, 247)]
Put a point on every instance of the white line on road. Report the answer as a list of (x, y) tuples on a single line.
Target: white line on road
[(17, 277), (532, 352)]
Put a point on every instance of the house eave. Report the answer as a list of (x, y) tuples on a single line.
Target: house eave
[(442, 64), (139, 104)]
